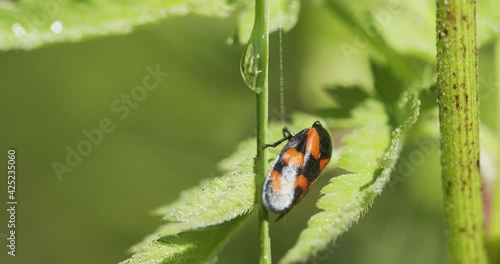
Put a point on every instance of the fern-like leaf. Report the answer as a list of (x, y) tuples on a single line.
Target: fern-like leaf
[(213, 202), (370, 154), (193, 246), (205, 216)]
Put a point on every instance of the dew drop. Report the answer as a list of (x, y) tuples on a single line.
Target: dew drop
[(18, 30), (249, 67), (56, 27)]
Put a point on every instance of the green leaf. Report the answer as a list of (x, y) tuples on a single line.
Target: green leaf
[(284, 13), (201, 220), (345, 98), (193, 246), (214, 201), (488, 21), (370, 154), (408, 27), (31, 24)]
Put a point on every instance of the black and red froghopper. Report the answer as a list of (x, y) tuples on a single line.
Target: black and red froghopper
[(296, 168)]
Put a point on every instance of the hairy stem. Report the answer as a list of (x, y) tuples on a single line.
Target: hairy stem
[(459, 123), (260, 40)]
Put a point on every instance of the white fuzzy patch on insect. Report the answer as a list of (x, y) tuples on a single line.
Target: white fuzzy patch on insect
[(283, 200)]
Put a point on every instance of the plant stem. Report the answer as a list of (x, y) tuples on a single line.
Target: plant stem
[(459, 123), (494, 228), (260, 39)]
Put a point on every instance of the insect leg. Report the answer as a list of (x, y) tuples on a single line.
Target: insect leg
[(287, 134), (286, 131)]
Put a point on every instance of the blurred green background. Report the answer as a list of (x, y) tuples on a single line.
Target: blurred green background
[(175, 137)]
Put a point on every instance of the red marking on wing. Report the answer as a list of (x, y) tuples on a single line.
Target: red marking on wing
[(323, 163), (276, 181), (293, 157), (302, 183), (312, 144)]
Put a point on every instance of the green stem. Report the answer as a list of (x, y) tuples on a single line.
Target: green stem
[(494, 228), (459, 123), (260, 40)]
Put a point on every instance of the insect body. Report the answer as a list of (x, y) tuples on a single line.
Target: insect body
[(296, 168)]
